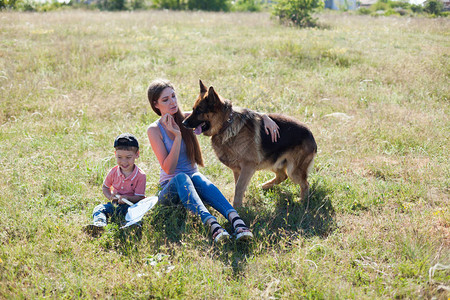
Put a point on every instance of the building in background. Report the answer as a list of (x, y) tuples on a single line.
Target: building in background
[(341, 4), (355, 4)]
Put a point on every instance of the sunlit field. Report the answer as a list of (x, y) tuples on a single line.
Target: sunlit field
[(374, 92)]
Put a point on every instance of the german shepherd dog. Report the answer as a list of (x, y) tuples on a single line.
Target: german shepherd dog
[(239, 140)]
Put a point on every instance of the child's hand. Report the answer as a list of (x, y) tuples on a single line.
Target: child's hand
[(119, 199), (114, 199)]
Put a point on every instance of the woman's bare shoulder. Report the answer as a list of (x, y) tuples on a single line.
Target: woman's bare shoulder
[(153, 126), (153, 129)]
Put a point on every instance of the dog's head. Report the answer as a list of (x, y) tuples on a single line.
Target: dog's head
[(209, 112)]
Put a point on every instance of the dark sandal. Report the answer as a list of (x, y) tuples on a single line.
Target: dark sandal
[(241, 231), (219, 236)]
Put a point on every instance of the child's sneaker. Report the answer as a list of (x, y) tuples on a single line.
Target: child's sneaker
[(95, 229)]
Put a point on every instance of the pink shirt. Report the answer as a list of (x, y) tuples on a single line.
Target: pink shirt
[(133, 185)]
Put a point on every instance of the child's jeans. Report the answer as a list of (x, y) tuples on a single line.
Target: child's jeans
[(102, 211), (193, 192)]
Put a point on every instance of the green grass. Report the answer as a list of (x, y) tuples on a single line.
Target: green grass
[(378, 218)]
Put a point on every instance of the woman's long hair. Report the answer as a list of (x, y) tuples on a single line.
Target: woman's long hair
[(194, 152)]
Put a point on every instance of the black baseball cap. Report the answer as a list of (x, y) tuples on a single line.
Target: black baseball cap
[(126, 140)]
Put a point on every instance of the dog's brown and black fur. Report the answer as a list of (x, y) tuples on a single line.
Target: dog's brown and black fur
[(240, 142)]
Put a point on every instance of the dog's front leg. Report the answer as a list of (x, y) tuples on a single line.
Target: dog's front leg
[(241, 184)]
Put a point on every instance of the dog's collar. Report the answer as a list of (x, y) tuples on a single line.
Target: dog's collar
[(227, 123)]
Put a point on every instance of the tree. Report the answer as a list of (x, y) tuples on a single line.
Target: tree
[(169, 4), (111, 4), (433, 7), (209, 5), (297, 12)]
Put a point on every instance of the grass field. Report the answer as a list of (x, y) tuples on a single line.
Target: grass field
[(374, 91)]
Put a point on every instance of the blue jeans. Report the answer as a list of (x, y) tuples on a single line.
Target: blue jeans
[(194, 192), (103, 211)]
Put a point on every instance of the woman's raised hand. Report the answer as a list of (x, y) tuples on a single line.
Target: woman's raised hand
[(171, 125)]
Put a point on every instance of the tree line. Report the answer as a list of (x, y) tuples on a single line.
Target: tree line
[(289, 12)]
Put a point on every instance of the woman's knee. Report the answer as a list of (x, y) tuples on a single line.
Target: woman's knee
[(200, 180), (181, 177)]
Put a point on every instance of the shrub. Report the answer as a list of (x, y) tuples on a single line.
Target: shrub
[(390, 12), (416, 8), (400, 4), (10, 4), (137, 4), (297, 12), (209, 5), (26, 5), (111, 4), (380, 5), (433, 7), (49, 6), (364, 11), (168, 4), (247, 5)]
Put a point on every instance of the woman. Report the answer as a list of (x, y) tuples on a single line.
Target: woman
[(178, 152)]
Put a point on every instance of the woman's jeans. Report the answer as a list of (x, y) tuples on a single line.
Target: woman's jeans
[(194, 192), (102, 211)]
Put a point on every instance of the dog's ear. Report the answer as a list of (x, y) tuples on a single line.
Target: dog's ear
[(214, 100), (202, 87), (213, 97)]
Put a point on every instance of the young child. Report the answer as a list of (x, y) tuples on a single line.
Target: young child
[(126, 180)]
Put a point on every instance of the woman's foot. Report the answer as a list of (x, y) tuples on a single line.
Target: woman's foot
[(241, 231), (219, 234)]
